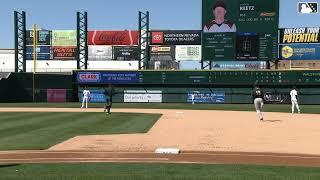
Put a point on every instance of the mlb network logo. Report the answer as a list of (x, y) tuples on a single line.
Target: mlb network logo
[(308, 7)]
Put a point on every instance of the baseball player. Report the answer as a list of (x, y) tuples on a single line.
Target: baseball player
[(109, 92), (192, 98), (257, 95), (86, 97), (294, 100)]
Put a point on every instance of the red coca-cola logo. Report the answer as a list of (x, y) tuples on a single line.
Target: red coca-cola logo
[(113, 38), (116, 38)]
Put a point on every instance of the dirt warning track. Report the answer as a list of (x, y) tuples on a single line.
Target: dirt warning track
[(19, 157)]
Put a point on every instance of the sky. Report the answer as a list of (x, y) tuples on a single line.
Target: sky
[(123, 14)]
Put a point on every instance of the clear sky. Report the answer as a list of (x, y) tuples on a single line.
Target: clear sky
[(123, 14)]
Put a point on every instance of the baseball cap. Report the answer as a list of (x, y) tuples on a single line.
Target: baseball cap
[(220, 4)]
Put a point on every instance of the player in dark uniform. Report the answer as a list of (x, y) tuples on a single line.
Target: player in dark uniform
[(109, 92), (257, 96)]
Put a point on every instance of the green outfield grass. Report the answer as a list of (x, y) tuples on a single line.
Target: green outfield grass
[(37, 131), (114, 171), (311, 109)]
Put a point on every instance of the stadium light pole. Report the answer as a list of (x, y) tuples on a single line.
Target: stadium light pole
[(20, 41)]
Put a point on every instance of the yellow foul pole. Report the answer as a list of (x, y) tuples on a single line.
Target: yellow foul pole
[(35, 45), (35, 57)]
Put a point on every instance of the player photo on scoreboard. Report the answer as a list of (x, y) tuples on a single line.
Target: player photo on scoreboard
[(218, 16), (247, 46)]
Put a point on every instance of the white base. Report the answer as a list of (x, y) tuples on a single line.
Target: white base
[(167, 151)]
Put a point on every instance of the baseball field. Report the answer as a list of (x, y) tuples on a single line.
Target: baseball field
[(62, 141)]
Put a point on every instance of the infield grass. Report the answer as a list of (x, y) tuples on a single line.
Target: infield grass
[(38, 131), (309, 109), (114, 171)]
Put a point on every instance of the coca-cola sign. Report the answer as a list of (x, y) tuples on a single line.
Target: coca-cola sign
[(113, 38)]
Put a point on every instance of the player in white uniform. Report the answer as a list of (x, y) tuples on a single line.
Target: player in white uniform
[(192, 98), (219, 24), (86, 97), (294, 100)]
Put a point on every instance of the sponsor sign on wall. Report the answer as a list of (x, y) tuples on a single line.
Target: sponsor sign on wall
[(43, 52), (239, 65), (187, 37), (188, 53), (108, 77), (142, 96), (96, 96), (206, 97), (128, 38), (64, 38), (300, 52), (277, 98), (162, 53), (44, 37), (64, 52), (125, 53), (56, 95), (299, 35), (100, 53)]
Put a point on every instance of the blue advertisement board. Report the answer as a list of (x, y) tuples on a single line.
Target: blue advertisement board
[(97, 96), (300, 52), (39, 57), (206, 97), (43, 52), (107, 77), (243, 65)]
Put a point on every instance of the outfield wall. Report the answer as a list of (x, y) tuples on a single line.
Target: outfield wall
[(18, 87), (216, 95)]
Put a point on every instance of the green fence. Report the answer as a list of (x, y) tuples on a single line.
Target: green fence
[(18, 87), (26, 87)]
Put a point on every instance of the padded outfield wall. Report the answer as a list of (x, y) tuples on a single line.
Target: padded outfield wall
[(162, 86), (207, 86)]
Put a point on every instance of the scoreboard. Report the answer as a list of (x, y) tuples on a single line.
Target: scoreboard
[(253, 35), (248, 78)]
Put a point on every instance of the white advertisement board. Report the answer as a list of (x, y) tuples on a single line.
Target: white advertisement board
[(142, 96)]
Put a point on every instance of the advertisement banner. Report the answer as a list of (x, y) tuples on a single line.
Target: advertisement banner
[(299, 35), (96, 96), (64, 52), (127, 38), (162, 53), (125, 53), (43, 52), (44, 37), (241, 65), (99, 53), (40, 57), (300, 52), (142, 96), (185, 53), (108, 77), (277, 98), (56, 95), (186, 37), (206, 97), (40, 49), (64, 38)]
